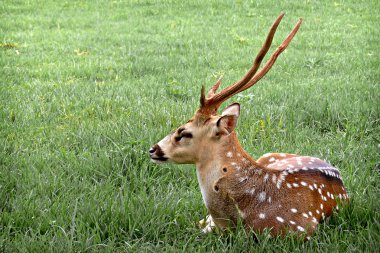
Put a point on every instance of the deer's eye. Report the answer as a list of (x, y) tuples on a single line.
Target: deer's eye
[(187, 135), (183, 135)]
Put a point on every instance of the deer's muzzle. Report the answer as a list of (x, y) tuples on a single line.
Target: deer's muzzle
[(156, 154)]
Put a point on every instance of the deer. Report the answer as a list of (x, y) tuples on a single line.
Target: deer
[(280, 192)]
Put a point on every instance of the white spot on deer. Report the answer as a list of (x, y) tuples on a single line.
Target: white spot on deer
[(233, 164), (266, 177), (305, 215), (293, 210), (280, 219), (321, 206), (300, 228), (295, 185), (317, 211), (269, 199), (315, 186), (251, 191), (289, 185), (262, 216), (340, 196), (229, 154), (315, 220), (303, 183), (274, 178), (310, 213), (242, 179), (262, 196), (311, 187), (292, 222), (272, 159)]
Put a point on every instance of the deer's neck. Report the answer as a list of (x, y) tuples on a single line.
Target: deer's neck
[(216, 162), (229, 153)]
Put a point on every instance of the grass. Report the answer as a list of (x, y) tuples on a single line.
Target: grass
[(86, 87)]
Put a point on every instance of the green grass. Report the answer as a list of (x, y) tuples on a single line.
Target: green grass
[(87, 86)]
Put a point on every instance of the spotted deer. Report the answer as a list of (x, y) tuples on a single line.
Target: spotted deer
[(279, 191)]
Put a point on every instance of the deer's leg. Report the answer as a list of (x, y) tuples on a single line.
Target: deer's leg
[(207, 224)]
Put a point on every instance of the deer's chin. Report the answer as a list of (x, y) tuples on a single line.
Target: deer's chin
[(160, 160)]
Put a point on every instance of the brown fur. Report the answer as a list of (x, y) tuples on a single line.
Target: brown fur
[(281, 192), (234, 186)]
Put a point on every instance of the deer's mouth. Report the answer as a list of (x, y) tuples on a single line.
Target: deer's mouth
[(159, 159)]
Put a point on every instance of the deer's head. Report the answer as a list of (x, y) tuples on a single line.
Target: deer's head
[(202, 133), (207, 131)]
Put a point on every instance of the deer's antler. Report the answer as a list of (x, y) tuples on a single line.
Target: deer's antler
[(211, 103)]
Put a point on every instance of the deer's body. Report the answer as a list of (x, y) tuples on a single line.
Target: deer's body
[(281, 192), (278, 191)]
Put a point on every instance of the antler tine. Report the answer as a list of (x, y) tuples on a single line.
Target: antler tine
[(215, 100), (273, 58), (215, 87), (259, 58), (263, 51), (212, 98)]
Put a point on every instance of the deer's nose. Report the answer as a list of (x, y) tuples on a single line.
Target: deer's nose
[(156, 151), (153, 149)]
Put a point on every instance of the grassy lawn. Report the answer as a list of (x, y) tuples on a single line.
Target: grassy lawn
[(86, 87)]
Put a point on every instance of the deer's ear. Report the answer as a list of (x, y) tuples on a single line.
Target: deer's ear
[(227, 123), (233, 109)]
